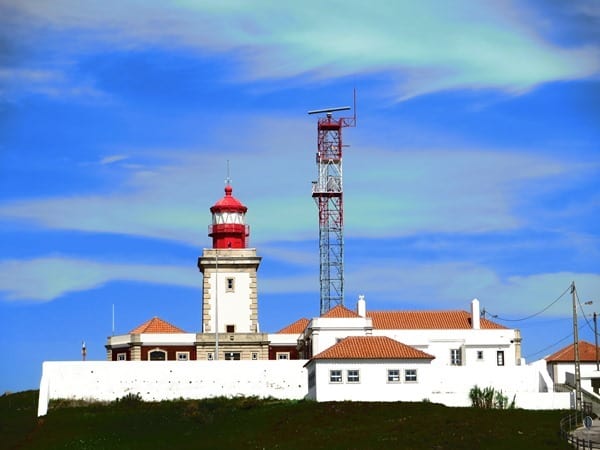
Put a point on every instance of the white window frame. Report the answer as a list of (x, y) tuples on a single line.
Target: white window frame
[(158, 350), (282, 355), (182, 356), (121, 356), (335, 376), (210, 356), (456, 357), (353, 376), (254, 356), (230, 284), (412, 373), (479, 355), (393, 378), (500, 358)]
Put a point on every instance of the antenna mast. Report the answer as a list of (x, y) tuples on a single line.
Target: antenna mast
[(328, 194)]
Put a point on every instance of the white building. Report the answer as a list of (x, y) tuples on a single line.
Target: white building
[(342, 355), (454, 338)]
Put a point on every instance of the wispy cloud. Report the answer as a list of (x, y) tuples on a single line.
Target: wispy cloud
[(423, 46), (452, 285), (112, 159), (426, 191), (55, 83), (166, 197), (48, 278)]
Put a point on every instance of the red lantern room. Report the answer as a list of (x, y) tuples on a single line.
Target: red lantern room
[(228, 229)]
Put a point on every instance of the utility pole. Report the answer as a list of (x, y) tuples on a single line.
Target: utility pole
[(596, 340), (578, 399)]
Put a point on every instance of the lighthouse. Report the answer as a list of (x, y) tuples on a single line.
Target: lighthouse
[(230, 328)]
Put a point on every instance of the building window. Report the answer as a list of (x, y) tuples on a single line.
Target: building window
[(353, 376), (230, 328), (121, 356), (254, 356), (393, 375), (500, 357), (282, 355), (232, 356), (480, 355), (455, 357), (230, 285), (410, 375), (209, 356), (182, 356), (335, 376), (157, 355)]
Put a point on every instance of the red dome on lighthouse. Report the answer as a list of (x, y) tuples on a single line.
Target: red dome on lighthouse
[(228, 203), (229, 229)]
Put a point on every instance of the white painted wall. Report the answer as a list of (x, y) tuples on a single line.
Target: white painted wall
[(447, 385), (439, 342), (234, 307), (559, 370), (167, 380), (327, 331)]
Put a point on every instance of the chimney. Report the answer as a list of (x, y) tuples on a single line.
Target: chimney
[(475, 314), (361, 306)]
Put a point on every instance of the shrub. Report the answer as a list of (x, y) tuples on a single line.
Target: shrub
[(489, 398)]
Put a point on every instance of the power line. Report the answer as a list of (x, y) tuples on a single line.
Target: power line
[(537, 313), (552, 345), (583, 314)]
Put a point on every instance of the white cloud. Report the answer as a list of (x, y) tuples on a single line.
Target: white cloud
[(112, 159), (452, 285), (49, 82), (48, 278), (414, 191), (424, 46)]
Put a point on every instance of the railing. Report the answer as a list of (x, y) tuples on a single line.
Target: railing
[(573, 421)]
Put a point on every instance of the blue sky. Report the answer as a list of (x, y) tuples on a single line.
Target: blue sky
[(474, 170)]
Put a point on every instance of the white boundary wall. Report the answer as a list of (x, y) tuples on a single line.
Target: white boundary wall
[(168, 380)]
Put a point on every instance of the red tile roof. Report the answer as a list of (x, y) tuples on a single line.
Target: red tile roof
[(295, 328), (340, 311), (587, 353), (371, 347), (426, 320), (156, 325)]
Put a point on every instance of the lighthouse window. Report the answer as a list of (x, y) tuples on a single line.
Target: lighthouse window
[(230, 285)]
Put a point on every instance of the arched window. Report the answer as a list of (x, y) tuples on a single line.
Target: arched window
[(157, 355)]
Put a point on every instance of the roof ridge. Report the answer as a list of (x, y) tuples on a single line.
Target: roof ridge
[(371, 347), (156, 325)]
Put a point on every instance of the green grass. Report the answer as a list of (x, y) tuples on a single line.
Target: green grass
[(250, 423)]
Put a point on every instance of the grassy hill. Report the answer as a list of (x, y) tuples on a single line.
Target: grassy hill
[(249, 423)]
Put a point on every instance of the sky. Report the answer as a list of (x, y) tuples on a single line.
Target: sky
[(473, 170)]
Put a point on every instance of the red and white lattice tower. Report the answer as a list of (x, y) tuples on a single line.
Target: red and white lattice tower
[(328, 193)]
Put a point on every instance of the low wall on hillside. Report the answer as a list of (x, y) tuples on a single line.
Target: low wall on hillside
[(168, 380)]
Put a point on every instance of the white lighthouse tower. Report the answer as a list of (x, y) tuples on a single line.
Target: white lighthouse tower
[(230, 327)]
